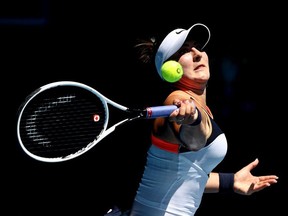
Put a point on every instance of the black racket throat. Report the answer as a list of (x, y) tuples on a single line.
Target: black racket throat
[(134, 113)]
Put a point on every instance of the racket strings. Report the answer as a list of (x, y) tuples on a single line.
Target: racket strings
[(59, 123)]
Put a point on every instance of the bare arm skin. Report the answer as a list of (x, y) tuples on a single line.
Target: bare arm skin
[(244, 182), (177, 129)]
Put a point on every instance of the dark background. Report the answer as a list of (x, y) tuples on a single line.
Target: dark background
[(45, 41)]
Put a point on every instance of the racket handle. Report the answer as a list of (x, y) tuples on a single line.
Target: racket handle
[(160, 111)]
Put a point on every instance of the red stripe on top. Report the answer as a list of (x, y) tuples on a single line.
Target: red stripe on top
[(171, 147)]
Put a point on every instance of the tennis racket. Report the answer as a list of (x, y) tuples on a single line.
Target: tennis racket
[(62, 120)]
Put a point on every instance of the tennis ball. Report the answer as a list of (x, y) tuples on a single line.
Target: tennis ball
[(171, 71)]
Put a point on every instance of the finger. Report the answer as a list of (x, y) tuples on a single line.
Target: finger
[(253, 164)]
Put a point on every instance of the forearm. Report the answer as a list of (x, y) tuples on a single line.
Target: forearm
[(212, 185)]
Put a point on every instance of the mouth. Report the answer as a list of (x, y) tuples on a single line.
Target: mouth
[(199, 67)]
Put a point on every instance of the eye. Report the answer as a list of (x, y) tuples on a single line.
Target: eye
[(182, 51), (186, 48), (176, 56)]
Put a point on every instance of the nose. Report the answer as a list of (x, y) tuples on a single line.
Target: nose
[(197, 55)]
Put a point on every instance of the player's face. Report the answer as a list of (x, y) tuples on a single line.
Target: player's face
[(195, 62)]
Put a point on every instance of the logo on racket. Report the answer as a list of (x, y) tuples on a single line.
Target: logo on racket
[(96, 118)]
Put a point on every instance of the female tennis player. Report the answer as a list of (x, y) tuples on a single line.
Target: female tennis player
[(187, 145)]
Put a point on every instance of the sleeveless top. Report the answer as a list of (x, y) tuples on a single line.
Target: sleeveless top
[(174, 180)]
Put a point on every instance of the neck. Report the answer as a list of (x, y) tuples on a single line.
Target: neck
[(185, 84)]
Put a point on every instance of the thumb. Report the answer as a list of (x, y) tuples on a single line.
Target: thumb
[(253, 164)]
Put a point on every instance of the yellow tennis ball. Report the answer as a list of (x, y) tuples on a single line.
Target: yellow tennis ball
[(171, 71)]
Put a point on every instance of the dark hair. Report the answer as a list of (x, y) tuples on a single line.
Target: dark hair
[(146, 50)]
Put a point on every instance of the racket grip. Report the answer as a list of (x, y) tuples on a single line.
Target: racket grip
[(160, 111)]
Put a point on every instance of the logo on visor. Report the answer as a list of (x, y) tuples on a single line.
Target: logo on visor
[(178, 32)]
